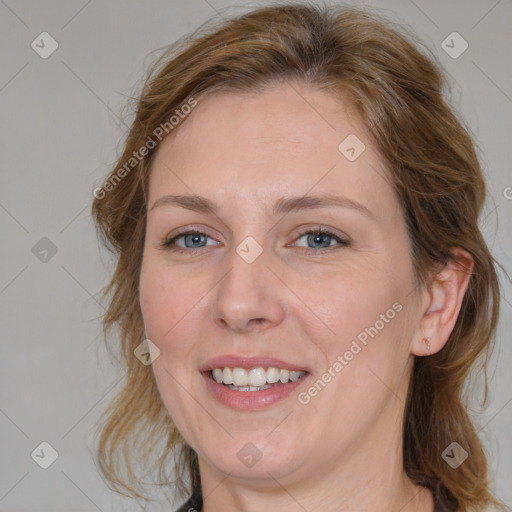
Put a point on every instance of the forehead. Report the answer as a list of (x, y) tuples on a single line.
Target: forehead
[(291, 116), (288, 137)]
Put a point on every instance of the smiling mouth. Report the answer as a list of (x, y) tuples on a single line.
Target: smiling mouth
[(254, 379)]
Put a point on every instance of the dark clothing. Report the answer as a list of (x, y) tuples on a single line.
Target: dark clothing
[(194, 504)]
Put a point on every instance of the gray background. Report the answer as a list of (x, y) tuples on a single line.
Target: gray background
[(62, 123)]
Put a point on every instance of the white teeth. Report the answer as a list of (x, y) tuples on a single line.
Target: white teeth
[(295, 376), (272, 375), (249, 388), (227, 376), (239, 377), (257, 377), (254, 379), (217, 375)]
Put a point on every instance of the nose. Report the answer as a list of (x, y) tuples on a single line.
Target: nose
[(249, 297)]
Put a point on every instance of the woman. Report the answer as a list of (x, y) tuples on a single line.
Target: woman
[(302, 287)]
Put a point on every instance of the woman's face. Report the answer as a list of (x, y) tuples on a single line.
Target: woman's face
[(259, 290)]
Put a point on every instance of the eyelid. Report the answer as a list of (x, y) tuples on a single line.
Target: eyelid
[(189, 230), (318, 228), (341, 239)]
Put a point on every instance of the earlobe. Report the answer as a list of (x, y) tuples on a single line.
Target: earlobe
[(442, 303), (428, 347)]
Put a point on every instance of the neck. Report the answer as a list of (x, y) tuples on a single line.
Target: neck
[(374, 480)]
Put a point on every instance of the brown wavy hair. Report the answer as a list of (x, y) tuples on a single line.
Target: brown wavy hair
[(398, 90)]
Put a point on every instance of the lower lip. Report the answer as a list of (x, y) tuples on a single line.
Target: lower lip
[(250, 400)]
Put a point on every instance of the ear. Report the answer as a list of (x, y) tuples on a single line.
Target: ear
[(441, 303)]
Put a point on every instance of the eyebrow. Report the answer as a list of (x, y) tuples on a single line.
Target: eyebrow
[(283, 205)]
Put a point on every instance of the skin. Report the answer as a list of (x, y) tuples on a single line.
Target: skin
[(343, 449)]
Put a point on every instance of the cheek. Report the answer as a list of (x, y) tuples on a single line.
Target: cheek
[(166, 301), (353, 303), (167, 307), (370, 325)]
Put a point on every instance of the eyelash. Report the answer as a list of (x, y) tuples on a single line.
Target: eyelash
[(169, 244)]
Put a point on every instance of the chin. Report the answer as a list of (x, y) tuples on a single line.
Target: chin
[(256, 457)]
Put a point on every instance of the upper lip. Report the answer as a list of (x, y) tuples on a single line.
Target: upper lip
[(248, 362)]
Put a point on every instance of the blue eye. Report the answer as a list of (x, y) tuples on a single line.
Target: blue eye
[(320, 236), (195, 239), (191, 239)]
